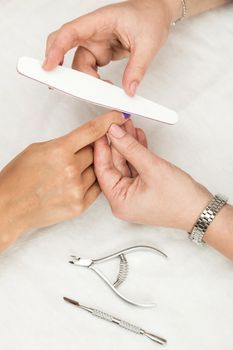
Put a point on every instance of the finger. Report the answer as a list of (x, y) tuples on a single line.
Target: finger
[(137, 65), (88, 178), (108, 176), (130, 129), (141, 137), (69, 36), (49, 42), (93, 130), (132, 150), (84, 158), (91, 195), (119, 161), (84, 61)]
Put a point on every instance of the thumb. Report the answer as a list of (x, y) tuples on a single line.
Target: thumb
[(93, 130), (137, 66), (135, 153)]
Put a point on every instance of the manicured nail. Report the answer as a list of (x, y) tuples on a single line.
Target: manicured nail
[(133, 88), (126, 115), (116, 131)]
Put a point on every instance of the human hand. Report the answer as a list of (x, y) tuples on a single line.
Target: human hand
[(51, 181), (142, 187), (136, 29)]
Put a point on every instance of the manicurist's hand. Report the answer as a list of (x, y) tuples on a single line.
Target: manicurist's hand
[(52, 181), (135, 29), (146, 189), (142, 187)]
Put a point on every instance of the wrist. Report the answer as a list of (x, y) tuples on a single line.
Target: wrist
[(171, 9), (198, 201), (174, 8), (12, 224), (220, 233)]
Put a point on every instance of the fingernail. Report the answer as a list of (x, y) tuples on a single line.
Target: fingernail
[(126, 115), (133, 88), (116, 131)]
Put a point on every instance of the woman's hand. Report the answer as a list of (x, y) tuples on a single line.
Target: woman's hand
[(136, 29), (51, 181), (143, 188)]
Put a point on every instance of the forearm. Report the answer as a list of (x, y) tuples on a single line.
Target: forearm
[(194, 7), (220, 233)]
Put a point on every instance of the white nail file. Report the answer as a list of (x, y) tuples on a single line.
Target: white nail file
[(96, 91)]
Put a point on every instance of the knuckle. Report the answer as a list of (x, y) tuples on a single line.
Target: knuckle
[(78, 208), (139, 69), (74, 201), (93, 128), (77, 193), (70, 172), (121, 162), (66, 30), (132, 147), (51, 37), (34, 146), (57, 151), (65, 27)]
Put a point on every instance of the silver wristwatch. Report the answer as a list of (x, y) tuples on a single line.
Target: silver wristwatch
[(206, 218)]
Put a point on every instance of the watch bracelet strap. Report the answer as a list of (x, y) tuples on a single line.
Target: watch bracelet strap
[(206, 218)]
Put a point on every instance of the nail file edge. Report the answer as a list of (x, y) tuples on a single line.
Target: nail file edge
[(90, 89)]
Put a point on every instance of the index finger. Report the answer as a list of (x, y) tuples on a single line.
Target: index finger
[(67, 37), (93, 130)]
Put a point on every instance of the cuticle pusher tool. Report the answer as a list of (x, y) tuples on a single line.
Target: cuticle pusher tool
[(123, 271), (123, 324)]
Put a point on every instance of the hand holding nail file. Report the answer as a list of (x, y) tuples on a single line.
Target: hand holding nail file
[(120, 323), (93, 90)]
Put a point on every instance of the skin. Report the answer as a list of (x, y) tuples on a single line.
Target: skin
[(65, 184), (117, 31), (146, 189), (52, 181)]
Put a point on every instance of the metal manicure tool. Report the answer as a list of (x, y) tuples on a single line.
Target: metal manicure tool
[(118, 322), (123, 271)]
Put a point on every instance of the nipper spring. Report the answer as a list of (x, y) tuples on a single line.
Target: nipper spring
[(123, 269)]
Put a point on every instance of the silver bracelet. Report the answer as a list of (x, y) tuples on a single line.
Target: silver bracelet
[(184, 12), (206, 218)]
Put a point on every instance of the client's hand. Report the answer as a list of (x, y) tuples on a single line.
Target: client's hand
[(135, 28), (143, 188), (51, 181)]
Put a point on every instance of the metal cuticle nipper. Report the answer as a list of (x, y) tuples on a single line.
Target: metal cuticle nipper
[(123, 271)]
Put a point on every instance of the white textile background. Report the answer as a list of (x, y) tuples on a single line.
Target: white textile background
[(193, 289)]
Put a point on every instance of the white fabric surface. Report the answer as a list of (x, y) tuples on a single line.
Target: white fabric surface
[(193, 74)]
